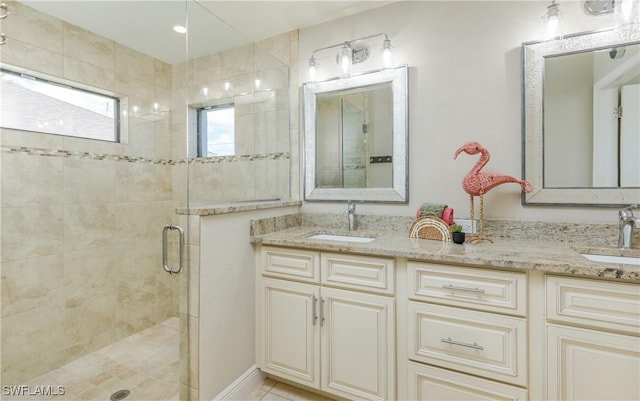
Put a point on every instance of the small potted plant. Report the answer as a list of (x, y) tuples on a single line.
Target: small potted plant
[(458, 235)]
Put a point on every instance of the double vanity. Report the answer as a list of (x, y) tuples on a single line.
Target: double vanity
[(381, 316)]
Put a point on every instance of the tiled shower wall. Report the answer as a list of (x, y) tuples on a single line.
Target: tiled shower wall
[(82, 219), (260, 169)]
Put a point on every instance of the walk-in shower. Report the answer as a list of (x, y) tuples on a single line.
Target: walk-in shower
[(88, 311)]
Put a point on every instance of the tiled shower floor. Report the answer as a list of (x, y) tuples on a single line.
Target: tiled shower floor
[(146, 364)]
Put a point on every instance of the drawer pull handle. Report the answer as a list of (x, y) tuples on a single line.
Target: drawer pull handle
[(448, 340), (456, 288)]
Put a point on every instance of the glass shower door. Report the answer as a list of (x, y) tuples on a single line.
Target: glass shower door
[(88, 313)]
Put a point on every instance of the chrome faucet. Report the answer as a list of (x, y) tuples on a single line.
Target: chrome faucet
[(627, 221), (351, 215)]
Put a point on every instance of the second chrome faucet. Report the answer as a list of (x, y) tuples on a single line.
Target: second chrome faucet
[(627, 221), (351, 215)]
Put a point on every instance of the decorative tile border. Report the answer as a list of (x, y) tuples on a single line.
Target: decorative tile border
[(135, 159)]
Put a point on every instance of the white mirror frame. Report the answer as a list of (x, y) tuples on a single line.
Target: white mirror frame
[(396, 194), (533, 61)]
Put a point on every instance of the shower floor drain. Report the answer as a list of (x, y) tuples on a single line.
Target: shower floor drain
[(120, 395)]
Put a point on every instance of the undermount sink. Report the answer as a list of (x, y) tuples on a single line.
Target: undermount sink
[(627, 260), (343, 238)]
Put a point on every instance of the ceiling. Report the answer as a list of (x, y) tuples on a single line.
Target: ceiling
[(214, 25)]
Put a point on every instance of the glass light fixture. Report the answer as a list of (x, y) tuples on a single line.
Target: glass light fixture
[(387, 57), (180, 29), (552, 21), (353, 52), (344, 57), (312, 69), (626, 13)]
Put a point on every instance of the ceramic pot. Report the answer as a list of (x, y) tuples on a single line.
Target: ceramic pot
[(458, 238)]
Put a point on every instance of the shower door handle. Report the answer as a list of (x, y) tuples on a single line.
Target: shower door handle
[(165, 256)]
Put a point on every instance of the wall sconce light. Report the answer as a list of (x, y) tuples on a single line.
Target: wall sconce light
[(351, 52), (552, 21), (625, 12)]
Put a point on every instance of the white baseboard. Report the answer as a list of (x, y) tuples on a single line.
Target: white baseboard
[(242, 386)]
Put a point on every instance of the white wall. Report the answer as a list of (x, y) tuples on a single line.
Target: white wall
[(227, 298), (464, 84)]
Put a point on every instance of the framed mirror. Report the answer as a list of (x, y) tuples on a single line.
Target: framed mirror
[(355, 138), (581, 131)]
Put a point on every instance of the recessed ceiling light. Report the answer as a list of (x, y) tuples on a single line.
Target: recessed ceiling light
[(180, 29)]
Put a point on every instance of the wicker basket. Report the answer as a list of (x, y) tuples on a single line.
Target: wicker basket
[(430, 227)]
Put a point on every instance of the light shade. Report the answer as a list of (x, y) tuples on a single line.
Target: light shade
[(312, 69), (552, 22), (387, 57), (345, 59), (626, 13)]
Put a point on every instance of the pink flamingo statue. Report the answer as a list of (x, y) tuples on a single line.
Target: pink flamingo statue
[(477, 183)]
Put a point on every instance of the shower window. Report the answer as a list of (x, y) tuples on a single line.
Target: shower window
[(216, 131), (40, 105)]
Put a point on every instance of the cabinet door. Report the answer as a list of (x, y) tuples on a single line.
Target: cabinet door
[(591, 365), (291, 343), (358, 345)]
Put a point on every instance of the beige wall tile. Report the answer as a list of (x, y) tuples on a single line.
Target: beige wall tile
[(90, 270), (89, 226), (142, 139), (11, 137), (89, 322), (206, 182), (33, 27), (135, 64), (32, 343), (26, 55), (31, 232), (89, 74), (89, 181), (86, 46), (237, 61), (135, 220), (139, 265), (206, 69), (140, 94), (163, 74), (31, 284), (276, 47), (135, 310), (31, 180), (238, 180), (135, 182)]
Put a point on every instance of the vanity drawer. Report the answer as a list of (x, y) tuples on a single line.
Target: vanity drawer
[(291, 263), (368, 273), (482, 289), (428, 383), (603, 304), (483, 344)]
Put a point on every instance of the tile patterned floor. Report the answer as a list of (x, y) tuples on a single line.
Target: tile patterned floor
[(146, 364), (271, 390)]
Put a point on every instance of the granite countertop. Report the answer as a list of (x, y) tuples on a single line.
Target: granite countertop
[(546, 256), (225, 207)]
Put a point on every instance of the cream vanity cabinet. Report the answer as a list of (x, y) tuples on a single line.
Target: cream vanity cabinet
[(466, 333), (326, 320), (593, 343)]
